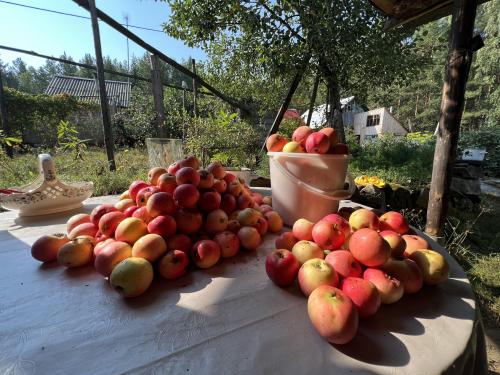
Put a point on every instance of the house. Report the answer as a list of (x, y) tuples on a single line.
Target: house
[(371, 124), (86, 89), (349, 108)]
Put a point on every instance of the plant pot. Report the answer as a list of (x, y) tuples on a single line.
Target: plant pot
[(163, 151)]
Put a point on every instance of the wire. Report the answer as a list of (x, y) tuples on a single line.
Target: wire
[(73, 15)]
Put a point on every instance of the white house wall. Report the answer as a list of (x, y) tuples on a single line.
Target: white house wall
[(388, 124), (391, 125)]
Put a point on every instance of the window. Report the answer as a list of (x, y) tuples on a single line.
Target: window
[(370, 138), (373, 120)]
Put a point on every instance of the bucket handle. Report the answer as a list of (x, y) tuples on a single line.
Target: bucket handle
[(333, 195)]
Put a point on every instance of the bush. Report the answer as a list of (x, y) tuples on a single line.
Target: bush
[(487, 138), (394, 159), (224, 138)]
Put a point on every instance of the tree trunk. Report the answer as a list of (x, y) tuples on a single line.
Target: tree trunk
[(334, 117)]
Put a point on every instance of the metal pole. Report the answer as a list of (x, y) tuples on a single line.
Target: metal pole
[(106, 121)]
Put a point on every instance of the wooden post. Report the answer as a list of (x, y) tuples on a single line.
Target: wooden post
[(158, 95), (195, 90), (313, 99), (452, 102), (106, 121), (3, 117)]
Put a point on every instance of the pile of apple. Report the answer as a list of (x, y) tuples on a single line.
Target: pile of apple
[(304, 139), (348, 268), (182, 216)]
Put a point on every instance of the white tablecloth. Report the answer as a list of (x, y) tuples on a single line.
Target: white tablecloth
[(229, 319)]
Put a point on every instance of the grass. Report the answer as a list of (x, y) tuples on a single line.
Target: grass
[(131, 164)]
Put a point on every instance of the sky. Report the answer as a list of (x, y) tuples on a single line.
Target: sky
[(53, 34)]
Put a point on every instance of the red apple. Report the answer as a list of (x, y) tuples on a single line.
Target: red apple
[(186, 195), (190, 161), (333, 314), (160, 203), (394, 221), (188, 221), (216, 169), (209, 201), (395, 241), (262, 226), (174, 167), (341, 223), (302, 230), (413, 243), (363, 218), (142, 214), (316, 272), (301, 133), (85, 229), (305, 250), (363, 294), (109, 222), (249, 238), (220, 186), (173, 264), (228, 242), (369, 248), (180, 242), (282, 267), (228, 203), (100, 210), (144, 194), (77, 220), (167, 183), (332, 135), (344, 263), (327, 235), (275, 143), (187, 175), (391, 290), (274, 220), (129, 211), (135, 187), (230, 177), (407, 272), (216, 221), (154, 174), (317, 143), (205, 253), (233, 226), (206, 179), (46, 247), (257, 197), (285, 240), (109, 256), (244, 201), (163, 225)]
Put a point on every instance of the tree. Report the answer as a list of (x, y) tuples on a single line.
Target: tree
[(343, 39)]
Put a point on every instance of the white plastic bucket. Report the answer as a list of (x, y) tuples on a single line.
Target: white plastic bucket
[(308, 186)]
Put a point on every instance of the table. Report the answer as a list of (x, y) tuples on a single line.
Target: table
[(229, 319)]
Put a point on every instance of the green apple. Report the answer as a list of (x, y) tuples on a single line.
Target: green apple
[(132, 276)]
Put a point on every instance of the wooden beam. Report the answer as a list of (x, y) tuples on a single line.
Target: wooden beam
[(3, 117), (158, 95), (92, 67), (313, 99), (123, 30), (195, 90), (452, 103), (106, 120)]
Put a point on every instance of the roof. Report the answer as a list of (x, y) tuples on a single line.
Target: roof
[(413, 13), (86, 89)]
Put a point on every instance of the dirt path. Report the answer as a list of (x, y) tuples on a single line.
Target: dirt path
[(493, 350)]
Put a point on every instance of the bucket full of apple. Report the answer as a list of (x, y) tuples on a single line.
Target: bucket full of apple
[(308, 174)]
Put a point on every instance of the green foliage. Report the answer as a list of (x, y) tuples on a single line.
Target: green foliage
[(394, 159), (421, 137), (40, 115), (288, 126), (9, 141), (223, 138), (68, 140), (487, 138)]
